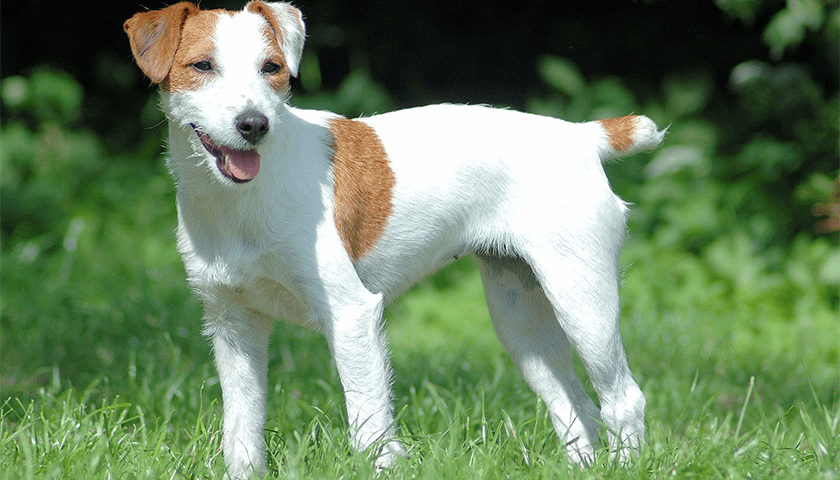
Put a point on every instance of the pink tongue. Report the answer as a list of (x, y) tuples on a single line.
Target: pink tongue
[(241, 164)]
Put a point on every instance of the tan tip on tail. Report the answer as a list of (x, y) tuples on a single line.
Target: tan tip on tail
[(629, 134)]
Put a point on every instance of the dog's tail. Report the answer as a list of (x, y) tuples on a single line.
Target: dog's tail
[(625, 135)]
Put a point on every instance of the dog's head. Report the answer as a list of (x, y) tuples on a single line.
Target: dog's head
[(224, 76)]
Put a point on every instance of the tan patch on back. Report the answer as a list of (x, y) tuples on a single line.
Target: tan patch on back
[(620, 131), (364, 183)]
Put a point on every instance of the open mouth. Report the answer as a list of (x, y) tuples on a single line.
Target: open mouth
[(241, 166)]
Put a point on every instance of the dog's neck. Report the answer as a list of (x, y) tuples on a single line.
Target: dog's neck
[(297, 178)]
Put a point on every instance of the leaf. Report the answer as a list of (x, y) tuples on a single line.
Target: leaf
[(788, 27), (56, 95), (14, 91), (562, 74), (687, 94)]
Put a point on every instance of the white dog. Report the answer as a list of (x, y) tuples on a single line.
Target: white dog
[(320, 220)]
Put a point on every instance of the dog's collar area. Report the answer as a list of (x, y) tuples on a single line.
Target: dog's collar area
[(240, 166)]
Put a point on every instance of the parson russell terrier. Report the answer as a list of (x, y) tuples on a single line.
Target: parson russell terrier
[(320, 220)]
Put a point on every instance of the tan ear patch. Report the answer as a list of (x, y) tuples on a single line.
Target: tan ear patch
[(363, 188), (620, 131), (155, 36)]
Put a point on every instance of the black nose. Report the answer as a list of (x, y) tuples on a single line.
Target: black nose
[(252, 126)]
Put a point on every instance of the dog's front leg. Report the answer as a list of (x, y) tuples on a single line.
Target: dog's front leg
[(360, 352), (240, 348)]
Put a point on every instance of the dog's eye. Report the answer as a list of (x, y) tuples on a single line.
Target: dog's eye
[(270, 68), (203, 66)]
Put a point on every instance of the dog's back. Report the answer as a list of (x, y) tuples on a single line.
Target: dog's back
[(476, 179)]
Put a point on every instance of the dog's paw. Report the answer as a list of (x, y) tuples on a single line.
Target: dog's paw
[(390, 452)]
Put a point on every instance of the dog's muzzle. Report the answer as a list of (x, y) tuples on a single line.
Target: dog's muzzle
[(241, 166)]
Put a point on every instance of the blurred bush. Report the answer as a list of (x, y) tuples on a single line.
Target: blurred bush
[(87, 237)]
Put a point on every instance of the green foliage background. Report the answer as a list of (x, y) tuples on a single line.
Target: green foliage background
[(728, 274)]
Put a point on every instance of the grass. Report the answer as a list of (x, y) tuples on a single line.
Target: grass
[(465, 414), (105, 375)]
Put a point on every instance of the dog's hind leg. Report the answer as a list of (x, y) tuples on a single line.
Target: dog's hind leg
[(526, 325), (240, 348), (583, 291)]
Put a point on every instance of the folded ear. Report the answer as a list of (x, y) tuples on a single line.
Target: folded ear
[(287, 23), (154, 38)]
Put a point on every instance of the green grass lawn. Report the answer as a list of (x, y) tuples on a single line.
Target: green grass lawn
[(105, 374)]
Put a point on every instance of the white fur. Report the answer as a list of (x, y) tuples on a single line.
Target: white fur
[(526, 193)]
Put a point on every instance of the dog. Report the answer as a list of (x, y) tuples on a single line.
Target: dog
[(321, 220)]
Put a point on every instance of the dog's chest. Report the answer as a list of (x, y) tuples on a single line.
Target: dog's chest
[(273, 299), (235, 266), (258, 282)]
